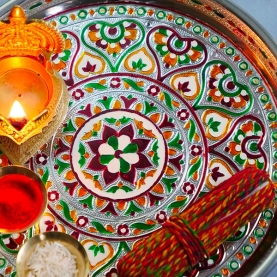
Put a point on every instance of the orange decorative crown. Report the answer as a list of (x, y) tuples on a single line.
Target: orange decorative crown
[(18, 38)]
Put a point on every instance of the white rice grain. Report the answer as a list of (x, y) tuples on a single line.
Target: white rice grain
[(52, 260)]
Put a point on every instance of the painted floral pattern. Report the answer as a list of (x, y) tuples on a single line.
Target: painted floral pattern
[(224, 89), (177, 50), (118, 154), (113, 38), (245, 146)]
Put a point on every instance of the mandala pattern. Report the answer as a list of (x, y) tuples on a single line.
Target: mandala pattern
[(162, 110)]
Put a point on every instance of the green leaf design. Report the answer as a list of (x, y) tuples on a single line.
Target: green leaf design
[(100, 228), (139, 63), (175, 142), (133, 84), (107, 102), (155, 146), (132, 208), (126, 189), (134, 65), (113, 142), (155, 159), (96, 250), (82, 161), (92, 247), (95, 86), (123, 246), (45, 176), (194, 167), (69, 127), (124, 166), (105, 159), (113, 189), (82, 151), (110, 120), (62, 166), (124, 120), (66, 211), (130, 148), (192, 130), (101, 249), (168, 183), (168, 100), (142, 226), (177, 204), (87, 201), (214, 126), (148, 108)]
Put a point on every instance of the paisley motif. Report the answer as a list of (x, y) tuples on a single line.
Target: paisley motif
[(89, 64), (98, 254), (222, 87), (177, 52), (217, 124)]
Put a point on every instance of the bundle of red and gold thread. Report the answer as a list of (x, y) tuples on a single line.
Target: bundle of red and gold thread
[(187, 238)]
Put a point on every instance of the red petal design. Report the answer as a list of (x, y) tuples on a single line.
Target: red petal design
[(128, 131), (166, 123), (62, 148), (141, 143), (176, 161), (109, 177), (108, 132), (75, 235), (153, 198), (130, 176), (71, 187), (109, 208), (86, 111), (95, 164), (49, 228), (143, 162), (128, 102), (94, 145)]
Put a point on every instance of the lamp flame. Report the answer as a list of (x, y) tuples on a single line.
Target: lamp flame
[(17, 116), (17, 112)]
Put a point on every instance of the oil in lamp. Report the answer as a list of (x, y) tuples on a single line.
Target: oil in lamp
[(33, 96)]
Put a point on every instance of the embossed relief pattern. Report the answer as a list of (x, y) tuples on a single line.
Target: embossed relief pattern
[(162, 110)]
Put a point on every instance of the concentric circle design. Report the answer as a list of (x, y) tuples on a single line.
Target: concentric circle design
[(125, 157), (120, 154)]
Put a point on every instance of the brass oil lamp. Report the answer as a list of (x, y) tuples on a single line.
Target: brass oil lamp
[(33, 96)]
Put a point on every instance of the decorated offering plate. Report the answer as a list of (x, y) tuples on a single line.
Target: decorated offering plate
[(167, 100)]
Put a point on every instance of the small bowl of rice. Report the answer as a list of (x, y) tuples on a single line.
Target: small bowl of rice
[(52, 254)]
